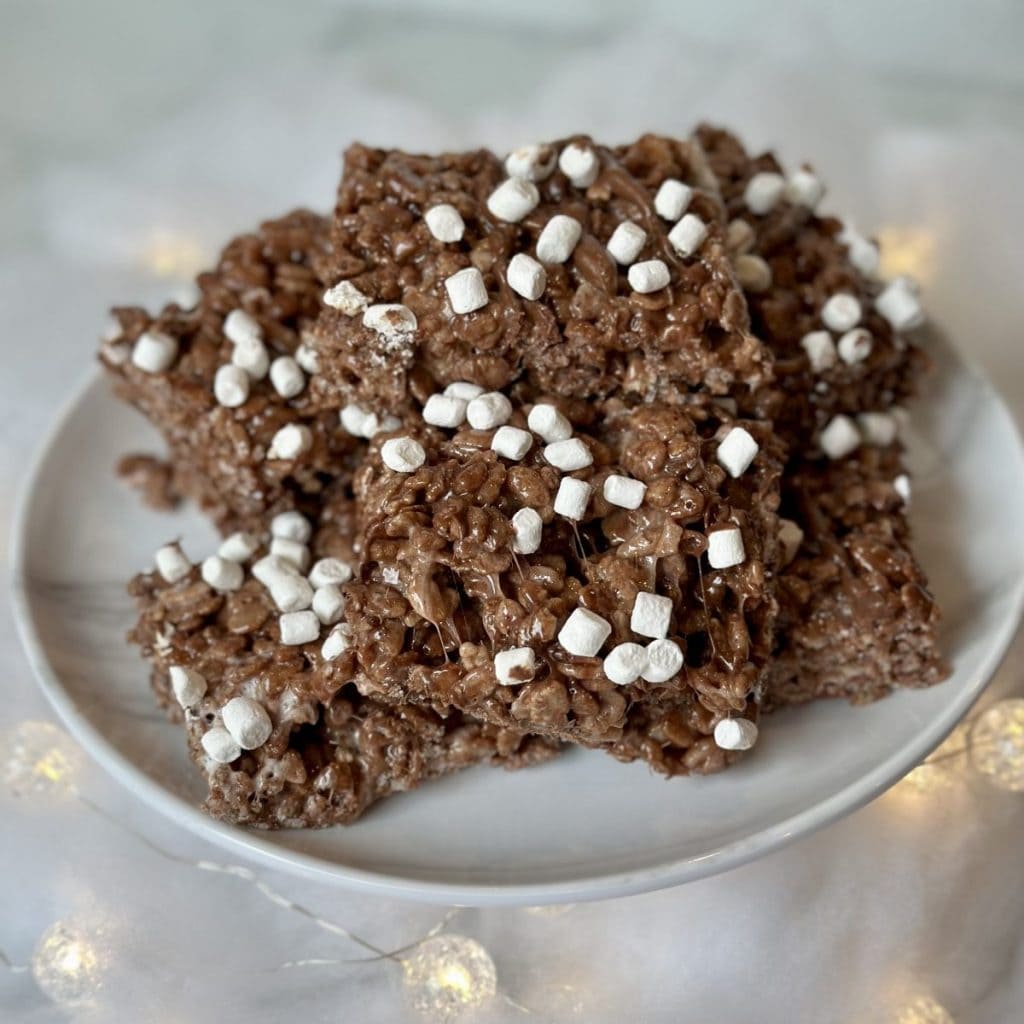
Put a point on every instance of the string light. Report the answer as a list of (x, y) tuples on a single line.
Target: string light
[(448, 975), (942, 770), (997, 745), (66, 965), (42, 761), (169, 254), (550, 910), (925, 1010), (907, 250)]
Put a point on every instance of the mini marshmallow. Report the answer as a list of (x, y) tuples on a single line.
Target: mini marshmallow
[(584, 633), (899, 304), (290, 442), (222, 575), (546, 421), (188, 686), (568, 455), (558, 239), (626, 243), (287, 377), (572, 498), (338, 641), (790, 539), (270, 569), (527, 529), (356, 420), (172, 564), (289, 591), (511, 442), (901, 485), (390, 319), (855, 346), (513, 199), (329, 571), (651, 616), (515, 666), (445, 411), (403, 454), (753, 273), (291, 551), (649, 276), (231, 386), (291, 526), (664, 660), (239, 547), (805, 188), (840, 437), (739, 236), (688, 235), (841, 312), (252, 356), (526, 277), (329, 604), (466, 290), (624, 491), (241, 328), (763, 191), (863, 253), (464, 390), (725, 547), (220, 746), (735, 734), (672, 199), (489, 410), (820, 349), (307, 358), (445, 223), (579, 164), (737, 451), (247, 721), (299, 628), (533, 162), (346, 298), (879, 428), (154, 352), (625, 663)]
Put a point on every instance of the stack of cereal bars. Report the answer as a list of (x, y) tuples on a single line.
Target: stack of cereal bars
[(588, 445)]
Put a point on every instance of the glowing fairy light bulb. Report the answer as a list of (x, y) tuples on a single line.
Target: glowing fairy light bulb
[(42, 760), (550, 909), (449, 974), (908, 251), (924, 1010), (997, 745), (65, 965)]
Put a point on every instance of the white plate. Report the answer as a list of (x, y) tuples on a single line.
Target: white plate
[(583, 826)]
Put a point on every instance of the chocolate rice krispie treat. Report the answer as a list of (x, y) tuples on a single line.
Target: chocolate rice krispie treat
[(231, 384)]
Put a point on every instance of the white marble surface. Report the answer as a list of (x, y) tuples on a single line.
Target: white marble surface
[(135, 139)]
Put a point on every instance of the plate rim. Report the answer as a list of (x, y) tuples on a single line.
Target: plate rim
[(252, 844)]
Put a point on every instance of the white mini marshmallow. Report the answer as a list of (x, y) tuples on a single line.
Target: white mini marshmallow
[(879, 428), (172, 564), (464, 390), (231, 386), (247, 721), (579, 164), (287, 377), (899, 304), (403, 454), (445, 223), (546, 421), (559, 237), (584, 633), (489, 410), (445, 411), (739, 236), (568, 455), (291, 526), (651, 616), (292, 551), (840, 437), (346, 298), (466, 290), (239, 547), (390, 320), (299, 627), (307, 358), (820, 349), (725, 547), (154, 352), (252, 356), (664, 660), (672, 199), (648, 276), (511, 442), (572, 498), (863, 253), (338, 641), (805, 188), (624, 491), (188, 686), (290, 442), (270, 570), (330, 570), (841, 312), (527, 529), (329, 604), (688, 235), (291, 593), (737, 451), (625, 663), (513, 199), (533, 162), (514, 666), (763, 191), (527, 277), (627, 242), (356, 420), (855, 346), (222, 575), (242, 328), (220, 746), (790, 539), (901, 485), (753, 273), (735, 734)]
